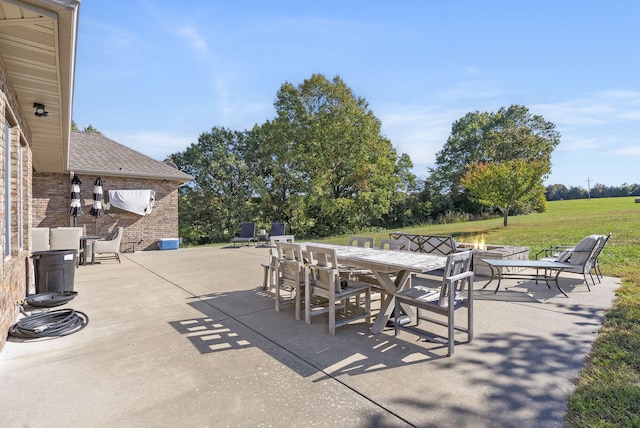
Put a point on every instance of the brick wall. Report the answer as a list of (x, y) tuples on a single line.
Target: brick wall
[(51, 200), (14, 267)]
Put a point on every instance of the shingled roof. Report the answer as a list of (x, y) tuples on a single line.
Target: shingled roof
[(92, 153)]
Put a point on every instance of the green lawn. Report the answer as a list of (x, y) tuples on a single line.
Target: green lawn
[(608, 391)]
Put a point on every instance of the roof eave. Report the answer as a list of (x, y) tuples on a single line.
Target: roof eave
[(133, 175)]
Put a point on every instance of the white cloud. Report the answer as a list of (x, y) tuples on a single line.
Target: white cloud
[(418, 130), (195, 40), (627, 151)]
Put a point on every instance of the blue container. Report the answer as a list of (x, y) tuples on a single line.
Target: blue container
[(168, 244)]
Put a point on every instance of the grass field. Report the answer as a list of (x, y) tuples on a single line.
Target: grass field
[(607, 393)]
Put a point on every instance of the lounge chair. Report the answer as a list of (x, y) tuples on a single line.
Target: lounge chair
[(582, 257), (277, 229), (247, 233)]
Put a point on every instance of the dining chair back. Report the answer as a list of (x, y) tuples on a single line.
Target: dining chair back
[(453, 292), (39, 239), (291, 275), (325, 283), (359, 241), (393, 244)]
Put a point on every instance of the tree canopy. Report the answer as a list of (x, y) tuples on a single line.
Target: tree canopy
[(507, 184), (509, 134), (321, 165)]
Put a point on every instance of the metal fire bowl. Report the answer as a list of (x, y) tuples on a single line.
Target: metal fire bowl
[(48, 300)]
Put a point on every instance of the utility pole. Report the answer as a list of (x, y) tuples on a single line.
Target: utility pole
[(589, 187)]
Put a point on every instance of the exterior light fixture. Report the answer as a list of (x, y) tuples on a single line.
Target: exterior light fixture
[(40, 111)]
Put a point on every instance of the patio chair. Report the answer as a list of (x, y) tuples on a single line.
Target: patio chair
[(247, 233), (331, 292), (66, 238), (103, 248), (39, 239), (270, 266), (277, 229), (581, 257), (358, 241), (442, 300), (595, 266), (393, 244), (291, 275)]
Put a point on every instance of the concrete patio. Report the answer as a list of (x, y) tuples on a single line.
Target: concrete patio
[(188, 338)]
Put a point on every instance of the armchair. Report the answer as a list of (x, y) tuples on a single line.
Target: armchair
[(108, 246), (443, 300), (334, 293)]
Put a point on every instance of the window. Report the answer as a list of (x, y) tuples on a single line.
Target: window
[(7, 190), (20, 182)]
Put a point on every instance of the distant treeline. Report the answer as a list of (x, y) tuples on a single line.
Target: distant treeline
[(556, 192)]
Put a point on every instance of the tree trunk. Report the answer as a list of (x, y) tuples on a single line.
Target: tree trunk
[(505, 223)]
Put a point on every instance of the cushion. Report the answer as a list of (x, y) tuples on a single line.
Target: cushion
[(564, 256), (583, 249)]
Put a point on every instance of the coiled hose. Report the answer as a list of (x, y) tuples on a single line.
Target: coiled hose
[(56, 323)]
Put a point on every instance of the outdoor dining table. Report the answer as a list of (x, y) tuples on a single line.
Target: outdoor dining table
[(86, 248), (385, 264)]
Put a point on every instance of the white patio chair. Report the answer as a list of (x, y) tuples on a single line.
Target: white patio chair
[(291, 275), (453, 292), (335, 294), (66, 238), (103, 247), (39, 239)]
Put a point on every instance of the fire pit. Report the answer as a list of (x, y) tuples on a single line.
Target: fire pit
[(499, 252)]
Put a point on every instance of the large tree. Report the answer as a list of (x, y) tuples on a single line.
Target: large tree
[(510, 133), (348, 170), (506, 185), (321, 166), (220, 197)]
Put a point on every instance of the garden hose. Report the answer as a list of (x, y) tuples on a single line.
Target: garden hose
[(57, 323)]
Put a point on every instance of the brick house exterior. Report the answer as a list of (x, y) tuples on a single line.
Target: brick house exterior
[(37, 68), (93, 155), (37, 65)]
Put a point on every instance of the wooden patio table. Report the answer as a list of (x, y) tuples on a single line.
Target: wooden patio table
[(384, 264)]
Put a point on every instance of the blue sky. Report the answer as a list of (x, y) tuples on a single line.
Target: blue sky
[(154, 75)]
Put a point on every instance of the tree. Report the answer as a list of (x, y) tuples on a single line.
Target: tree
[(220, 197), (90, 128), (509, 134), (348, 171), (274, 161), (506, 185), (321, 165), (556, 192)]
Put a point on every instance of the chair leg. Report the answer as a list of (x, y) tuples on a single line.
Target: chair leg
[(450, 328), (332, 314), (277, 296), (307, 300), (298, 301), (368, 305)]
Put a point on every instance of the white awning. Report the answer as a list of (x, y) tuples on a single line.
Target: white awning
[(136, 201)]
